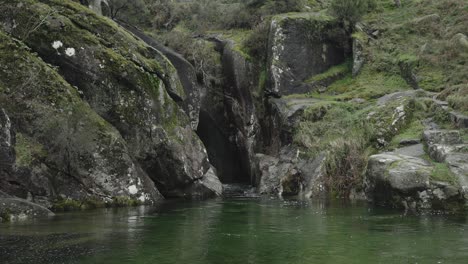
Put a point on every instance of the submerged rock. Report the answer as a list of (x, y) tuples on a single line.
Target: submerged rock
[(15, 209)]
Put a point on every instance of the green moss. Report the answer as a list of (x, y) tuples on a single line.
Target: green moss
[(124, 201), (93, 203), (27, 150), (262, 79)]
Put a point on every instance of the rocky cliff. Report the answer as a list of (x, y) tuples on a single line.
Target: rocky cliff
[(94, 112)]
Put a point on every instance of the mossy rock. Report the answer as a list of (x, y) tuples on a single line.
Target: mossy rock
[(123, 80), (64, 146)]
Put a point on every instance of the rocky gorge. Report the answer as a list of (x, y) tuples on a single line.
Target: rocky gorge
[(97, 113)]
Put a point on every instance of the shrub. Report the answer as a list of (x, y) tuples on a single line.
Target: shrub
[(257, 42), (350, 11)]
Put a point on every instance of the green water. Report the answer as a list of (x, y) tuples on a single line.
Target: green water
[(238, 231)]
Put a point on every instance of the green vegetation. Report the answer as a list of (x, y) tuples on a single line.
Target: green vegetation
[(412, 131), (332, 73), (442, 173), (69, 204), (5, 215), (350, 11), (28, 150)]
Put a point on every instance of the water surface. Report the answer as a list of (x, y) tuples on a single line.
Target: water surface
[(238, 231)]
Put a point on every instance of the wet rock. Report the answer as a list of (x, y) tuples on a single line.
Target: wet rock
[(207, 187), (189, 98), (300, 47)]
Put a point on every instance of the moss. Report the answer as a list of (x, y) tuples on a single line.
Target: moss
[(124, 201), (262, 79), (69, 204), (27, 150), (5, 215)]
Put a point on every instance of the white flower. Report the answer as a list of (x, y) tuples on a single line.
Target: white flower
[(57, 44), (70, 52)]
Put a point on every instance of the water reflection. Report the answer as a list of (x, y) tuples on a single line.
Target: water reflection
[(239, 231)]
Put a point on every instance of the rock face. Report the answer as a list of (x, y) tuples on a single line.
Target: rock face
[(228, 119), (300, 47), (111, 126), (189, 98), (405, 182), (62, 147)]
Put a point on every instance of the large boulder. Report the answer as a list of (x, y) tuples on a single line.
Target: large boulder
[(126, 82), (290, 175), (287, 113), (300, 46), (62, 148), (405, 182)]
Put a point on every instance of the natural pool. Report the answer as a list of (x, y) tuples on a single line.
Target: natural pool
[(238, 231)]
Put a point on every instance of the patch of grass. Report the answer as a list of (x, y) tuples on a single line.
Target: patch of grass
[(442, 173), (333, 72), (27, 150), (368, 85), (413, 131), (66, 205), (124, 201)]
